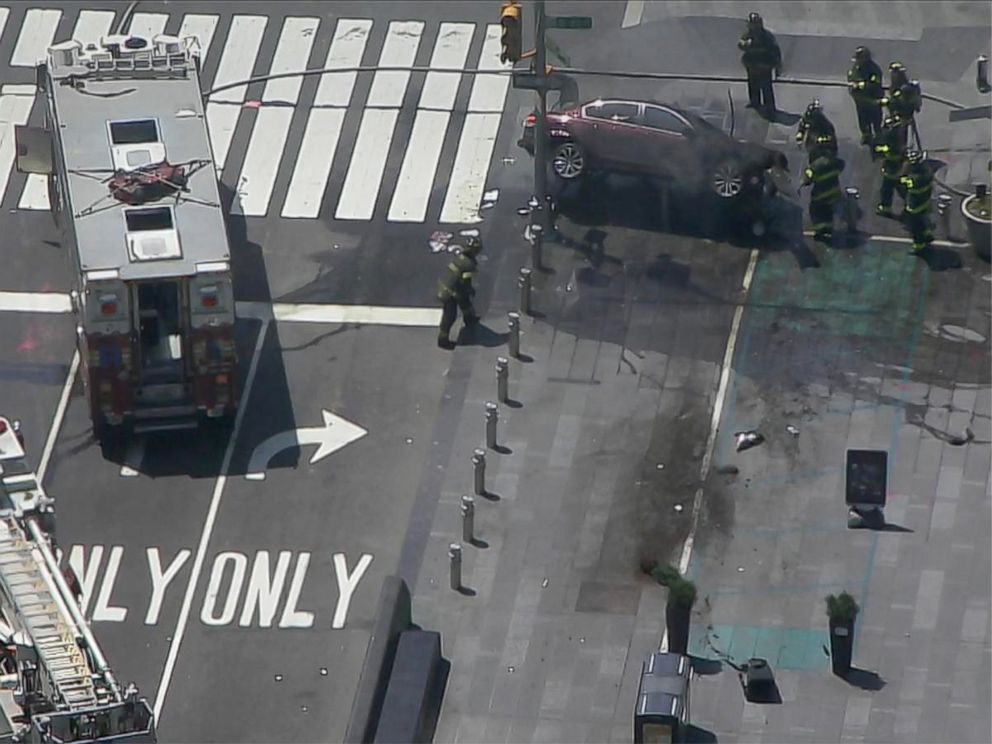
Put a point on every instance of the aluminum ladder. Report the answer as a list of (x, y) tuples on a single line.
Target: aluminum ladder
[(29, 588)]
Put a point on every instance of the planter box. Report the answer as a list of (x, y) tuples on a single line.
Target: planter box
[(841, 646), (677, 618), (979, 230)]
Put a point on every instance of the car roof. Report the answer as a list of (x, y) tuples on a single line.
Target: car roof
[(694, 119)]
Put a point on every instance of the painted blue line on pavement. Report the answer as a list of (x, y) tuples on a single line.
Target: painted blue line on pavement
[(784, 648), (790, 589)]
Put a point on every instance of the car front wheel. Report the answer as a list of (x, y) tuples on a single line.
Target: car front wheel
[(568, 161), (727, 181)]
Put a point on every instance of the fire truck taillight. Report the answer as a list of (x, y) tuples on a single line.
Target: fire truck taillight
[(108, 304), (209, 296)]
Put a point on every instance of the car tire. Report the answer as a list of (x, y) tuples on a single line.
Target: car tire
[(568, 160), (727, 179)]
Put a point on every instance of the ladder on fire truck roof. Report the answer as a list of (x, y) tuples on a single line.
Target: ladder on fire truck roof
[(36, 599)]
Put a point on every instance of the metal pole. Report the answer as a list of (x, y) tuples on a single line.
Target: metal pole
[(502, 379), (851, 209), (524, 284), (541, 128), (492, 417), (513, 321), (536, 243), (479, 471), (944, 202), (455, 556), (468, 519)]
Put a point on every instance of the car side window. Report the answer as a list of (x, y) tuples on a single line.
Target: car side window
[(623, 112), (659, 118)]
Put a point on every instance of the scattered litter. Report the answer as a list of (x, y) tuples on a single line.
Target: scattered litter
[(252, 104), (747, 439), (511, 669), (323, 671), (966, 436), (544, 583), (678, 507), (582, 640), (792, 430), (278, 678), (303, 708), (486, 205), (491, 196), (439, 240), (523, 211), (509, 161), (409, 440), (660, 466), (740, 569), (470, 233), (728, 470)]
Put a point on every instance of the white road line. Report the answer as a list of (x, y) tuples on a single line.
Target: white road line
[(236, 63), (4, 12), (632, 13), (147, 25), (478, 137), (413, 189), (36, 36), (323, 130), (721, 397), (468, 176), (203, 28), (56, 427), (368, 163), (208, 528), (268, 138), (375, 133), (90, 26), (15, 108), (425, 317), (398, 50), (35, 302)]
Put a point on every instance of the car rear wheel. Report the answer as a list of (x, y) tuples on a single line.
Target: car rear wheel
[(568, 160), (727, 181)]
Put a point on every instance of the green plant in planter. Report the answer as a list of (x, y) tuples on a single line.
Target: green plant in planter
[(682, 592), (980, 208), (666, 575), (842, 608)]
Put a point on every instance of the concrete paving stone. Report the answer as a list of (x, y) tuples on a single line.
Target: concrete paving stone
[(939, 396), (583, 366), (506, 689), (964, 399), (881, 723), (549, 732), (856, 714), (913, 687), (595, 732), (621, 733), (497, 729), (482, 679), (560, 358), (975, 624), (521, 730), (906, 720)]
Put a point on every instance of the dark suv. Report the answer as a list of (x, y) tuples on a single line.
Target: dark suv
[(653, 139)]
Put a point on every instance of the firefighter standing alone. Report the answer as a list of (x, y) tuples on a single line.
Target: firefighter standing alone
[(455, 291), (864, 82), (823, 174), (760, 56), (918, 183)]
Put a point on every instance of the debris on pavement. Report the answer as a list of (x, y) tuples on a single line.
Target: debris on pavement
[(747, 439), (792, 430), (728, 470), (966, 436), (439, 240)]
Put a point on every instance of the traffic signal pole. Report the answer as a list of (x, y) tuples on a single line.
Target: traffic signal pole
[(542, 217)]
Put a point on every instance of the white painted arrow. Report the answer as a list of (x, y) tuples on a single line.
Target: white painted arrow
[(335, 434)]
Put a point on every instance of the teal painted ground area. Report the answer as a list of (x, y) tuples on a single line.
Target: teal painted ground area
[(784, 648), (866, 292)]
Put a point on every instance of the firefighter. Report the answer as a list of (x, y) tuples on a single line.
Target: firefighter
[(918, 182), (760, 56), (455, 291), (864, 81), (889, 145), (816, 130), (905, 99), (823, 174)]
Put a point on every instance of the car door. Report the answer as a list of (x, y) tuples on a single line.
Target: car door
[(611, 133), (667, 141)]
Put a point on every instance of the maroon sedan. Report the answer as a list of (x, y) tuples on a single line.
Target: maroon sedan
[(653, 139)]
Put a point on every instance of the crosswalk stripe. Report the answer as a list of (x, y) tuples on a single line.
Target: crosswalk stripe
[(147, 25), (437, 99), (236, 63), (320, 138), (4, 12), (203, 28), (375, 133), (268, 138), (15, 108), (478, 137), (90, 26), (37, 32)]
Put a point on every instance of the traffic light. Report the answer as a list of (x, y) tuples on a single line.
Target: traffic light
[(511, 19)]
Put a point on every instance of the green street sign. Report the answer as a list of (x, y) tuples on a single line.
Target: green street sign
[(570, 22)]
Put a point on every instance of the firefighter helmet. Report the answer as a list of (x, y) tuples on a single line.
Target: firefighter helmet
[(897, 67), (754, 19), (472, 245), (890, 122), (861, 55), (915, 157), (814, 107)]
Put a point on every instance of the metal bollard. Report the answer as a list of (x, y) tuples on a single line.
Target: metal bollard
[(468, 519), (513, 321), (982, 74), (479, 471), (852, 212), (502, 379), (536, 243), (455, 556), (492, 417), (944, 202), (524, 284)]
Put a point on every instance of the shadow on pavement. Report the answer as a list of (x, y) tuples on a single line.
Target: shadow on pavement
[(698, 735), (942, 259), (706, 667), (864, 679), (481, 335)]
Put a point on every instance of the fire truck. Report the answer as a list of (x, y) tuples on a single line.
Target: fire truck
[(133, 190), (63, 688)]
